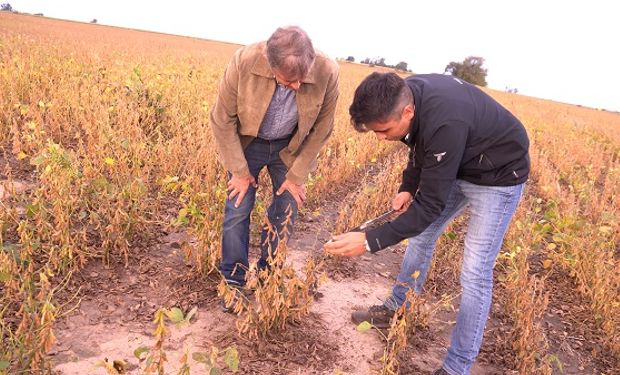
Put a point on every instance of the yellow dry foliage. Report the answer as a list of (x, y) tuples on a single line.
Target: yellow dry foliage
[(111, 123)]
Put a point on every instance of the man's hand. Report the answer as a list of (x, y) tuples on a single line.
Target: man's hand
[(402, 201), (238, 186), (347, 244), (297, 191)]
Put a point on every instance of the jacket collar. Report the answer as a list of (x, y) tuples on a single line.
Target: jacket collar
[(261, 67), (410, 138)]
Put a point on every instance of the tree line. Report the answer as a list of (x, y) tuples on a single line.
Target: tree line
[(380, 61), (469, 70)]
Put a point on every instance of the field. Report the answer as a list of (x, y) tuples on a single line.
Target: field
[(111, 203)]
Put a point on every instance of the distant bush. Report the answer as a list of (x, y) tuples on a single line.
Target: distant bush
[(401, 66), (469, 70)]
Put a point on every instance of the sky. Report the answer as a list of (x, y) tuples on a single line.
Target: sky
[(559, 50)]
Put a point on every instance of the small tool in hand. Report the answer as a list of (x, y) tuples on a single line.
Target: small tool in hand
[(379, 220)]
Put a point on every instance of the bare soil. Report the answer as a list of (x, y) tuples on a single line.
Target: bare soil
[(108, 312), (116, 306), (117, 303)]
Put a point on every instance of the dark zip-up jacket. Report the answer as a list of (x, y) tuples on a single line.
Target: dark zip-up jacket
[(457, 132)]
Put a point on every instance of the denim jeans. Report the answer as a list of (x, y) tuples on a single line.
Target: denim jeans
[(492, 208), (236, 232)]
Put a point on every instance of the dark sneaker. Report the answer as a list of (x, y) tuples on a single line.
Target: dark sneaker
[(224, 308), (240, 293), (314, 292), (441, 371), (378, 315)]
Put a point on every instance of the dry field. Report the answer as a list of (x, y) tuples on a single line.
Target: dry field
[(111, 204)]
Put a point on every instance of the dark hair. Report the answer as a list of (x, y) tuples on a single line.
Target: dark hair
[(290, 51), (380, 97)]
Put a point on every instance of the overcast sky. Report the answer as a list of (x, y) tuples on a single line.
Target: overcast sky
[(561, 50)]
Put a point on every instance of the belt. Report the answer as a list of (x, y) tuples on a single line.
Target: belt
[(267, 141)]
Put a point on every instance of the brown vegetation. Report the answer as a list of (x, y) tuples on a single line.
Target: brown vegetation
[(109, 130)]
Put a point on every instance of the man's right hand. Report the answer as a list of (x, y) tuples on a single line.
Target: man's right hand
[(238, 186), (402, 201)]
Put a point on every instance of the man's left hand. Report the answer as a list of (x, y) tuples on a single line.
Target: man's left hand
[(297, 191), (347, 244)]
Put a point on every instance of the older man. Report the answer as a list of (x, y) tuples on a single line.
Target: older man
[(275, 108)]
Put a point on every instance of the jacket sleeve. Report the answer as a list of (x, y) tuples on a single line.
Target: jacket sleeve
[(442, 156), (224, 121), (411, 175), (318, 135)]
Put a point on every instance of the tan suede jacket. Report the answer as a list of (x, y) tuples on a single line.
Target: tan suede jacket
[(244, 94)]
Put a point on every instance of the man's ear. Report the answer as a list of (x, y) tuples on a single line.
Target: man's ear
[(408, 111)]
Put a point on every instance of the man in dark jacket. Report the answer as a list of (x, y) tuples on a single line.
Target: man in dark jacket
[(466, 151)]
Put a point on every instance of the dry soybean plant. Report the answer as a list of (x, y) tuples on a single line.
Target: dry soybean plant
[(275, 296), (153, 359), (411, 317)]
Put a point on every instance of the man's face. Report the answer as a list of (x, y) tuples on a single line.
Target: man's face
[(394, 129), (292, 83)]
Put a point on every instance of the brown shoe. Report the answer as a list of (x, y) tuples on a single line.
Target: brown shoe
[(378, 315)]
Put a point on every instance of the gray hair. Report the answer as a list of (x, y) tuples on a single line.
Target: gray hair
[(290, 51)]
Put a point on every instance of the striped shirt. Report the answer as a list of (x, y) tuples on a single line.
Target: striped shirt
[(281, 117)]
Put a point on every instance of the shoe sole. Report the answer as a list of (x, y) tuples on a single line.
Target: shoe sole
[(376, 325)]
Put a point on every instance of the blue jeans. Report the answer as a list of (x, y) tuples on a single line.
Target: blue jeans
[(236, 232), (492, 208)]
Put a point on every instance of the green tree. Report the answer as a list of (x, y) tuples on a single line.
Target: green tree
[(401, 66), (351, 59), (6, 7), (469, 70)]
